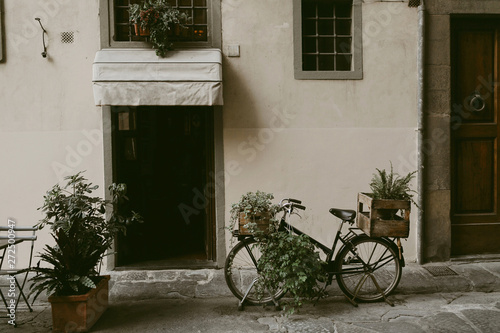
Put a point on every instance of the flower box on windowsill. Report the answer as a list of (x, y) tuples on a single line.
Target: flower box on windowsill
[(139, 31)]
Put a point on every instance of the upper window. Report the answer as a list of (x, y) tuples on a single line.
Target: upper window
[(327, 39), (198, 31)]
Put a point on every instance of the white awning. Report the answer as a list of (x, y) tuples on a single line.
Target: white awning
[(140, 77)]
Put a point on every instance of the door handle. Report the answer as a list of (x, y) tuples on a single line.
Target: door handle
[(477, 102)]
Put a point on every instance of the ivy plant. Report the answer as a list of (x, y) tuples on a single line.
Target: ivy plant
[(293, 263), (287, 260), (251, 204)]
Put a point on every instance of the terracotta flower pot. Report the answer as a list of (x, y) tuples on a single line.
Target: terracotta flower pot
[(139, 31), (78, 313)]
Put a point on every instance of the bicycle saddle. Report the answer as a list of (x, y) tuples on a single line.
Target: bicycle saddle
[(344, 214)]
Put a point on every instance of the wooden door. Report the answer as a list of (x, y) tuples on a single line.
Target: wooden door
[(475, 215)]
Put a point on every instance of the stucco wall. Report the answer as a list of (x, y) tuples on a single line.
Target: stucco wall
[(49, 126), (317, 140)]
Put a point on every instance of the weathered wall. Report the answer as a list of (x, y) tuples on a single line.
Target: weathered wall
[(317, 140), (49, 126)]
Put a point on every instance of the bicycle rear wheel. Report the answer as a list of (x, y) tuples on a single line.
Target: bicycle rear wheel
[(240, 271), (368, 269)]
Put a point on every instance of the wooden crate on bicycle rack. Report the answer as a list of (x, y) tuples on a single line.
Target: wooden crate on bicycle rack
[(377, 217), (261, 220)]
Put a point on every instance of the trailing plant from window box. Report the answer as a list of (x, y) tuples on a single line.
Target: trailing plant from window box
[(82, 232), (250, 206), (159, 18), (392, 186), (292, 263)]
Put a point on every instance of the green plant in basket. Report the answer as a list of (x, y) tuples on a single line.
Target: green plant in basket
[(391, 186), (250, 205)]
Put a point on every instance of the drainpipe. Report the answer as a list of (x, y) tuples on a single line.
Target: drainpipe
[(420, 128)]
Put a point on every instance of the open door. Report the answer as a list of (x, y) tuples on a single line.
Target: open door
[(165, 156)]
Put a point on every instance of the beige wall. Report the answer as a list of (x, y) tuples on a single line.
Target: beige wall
[(49, 126), (317, 140)]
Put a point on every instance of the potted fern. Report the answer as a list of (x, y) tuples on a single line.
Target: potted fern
[(378, 211), (156, 19), (82, 233)]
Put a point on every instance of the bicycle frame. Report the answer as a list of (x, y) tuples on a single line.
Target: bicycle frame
[(285, 226), (330, 252)]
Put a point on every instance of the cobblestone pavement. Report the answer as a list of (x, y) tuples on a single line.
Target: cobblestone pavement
[(439, 312)]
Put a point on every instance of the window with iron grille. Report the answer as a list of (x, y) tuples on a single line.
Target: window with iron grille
[(196, 29), (327, 45)]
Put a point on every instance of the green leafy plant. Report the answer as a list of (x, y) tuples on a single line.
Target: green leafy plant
[(291, 262), (390, 185), (82, 234), (251, 204), (159, 18)]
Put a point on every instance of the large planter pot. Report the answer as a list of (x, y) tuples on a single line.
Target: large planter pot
[(78, 313)]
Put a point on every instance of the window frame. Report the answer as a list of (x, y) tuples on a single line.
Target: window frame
[(108, 27), (356, 73)]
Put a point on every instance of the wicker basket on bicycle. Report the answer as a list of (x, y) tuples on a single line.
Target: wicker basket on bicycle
[(262, 221), (378, 217)]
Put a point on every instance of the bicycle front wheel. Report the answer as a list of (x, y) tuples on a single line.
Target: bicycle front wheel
[(368, 269), (240, 271)]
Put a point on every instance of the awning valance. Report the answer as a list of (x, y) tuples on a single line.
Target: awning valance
[(139, 77)]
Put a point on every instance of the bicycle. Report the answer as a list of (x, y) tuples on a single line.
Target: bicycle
[(366, 269)]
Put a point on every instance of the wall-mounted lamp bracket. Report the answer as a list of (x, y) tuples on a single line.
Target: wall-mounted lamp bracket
[(44, 53)]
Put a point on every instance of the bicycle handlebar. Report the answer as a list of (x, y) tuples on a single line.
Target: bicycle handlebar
[(299, 207), (294, 201), (289, 204)]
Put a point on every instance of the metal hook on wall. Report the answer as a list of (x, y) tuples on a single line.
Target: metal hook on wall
[(44, 53)]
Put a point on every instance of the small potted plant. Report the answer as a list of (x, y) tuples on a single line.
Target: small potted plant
[(83, 228), (255, 208), (156, 18), (390, 193)]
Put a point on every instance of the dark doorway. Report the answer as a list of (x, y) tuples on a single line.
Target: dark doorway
[(475, 216), (165, 156)]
